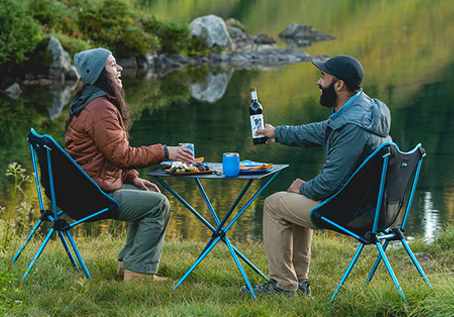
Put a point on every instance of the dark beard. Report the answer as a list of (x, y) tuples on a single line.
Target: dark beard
[(328, 97)]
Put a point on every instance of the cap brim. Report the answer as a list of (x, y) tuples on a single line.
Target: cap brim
[(320, 65)]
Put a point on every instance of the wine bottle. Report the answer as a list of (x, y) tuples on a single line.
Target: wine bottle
[(257, 119)]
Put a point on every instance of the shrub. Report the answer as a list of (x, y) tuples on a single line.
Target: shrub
[(38, 61), (71, 44), (20, 33), (112, 23), (46, 12), (173, 36)]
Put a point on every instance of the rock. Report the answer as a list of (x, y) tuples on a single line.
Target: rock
[(142, 63), (221, 58), (61, 68), (423, 257), (212, 30), (212, 87), (297, 42), (150, 60), (44, 82), (296, 30), (236, 33), (61, 96), (127, 62), (231, 22), (13, 91), (264, 39), (299, 35)]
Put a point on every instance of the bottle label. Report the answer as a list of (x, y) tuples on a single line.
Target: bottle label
[(254, 95), (257, 123)]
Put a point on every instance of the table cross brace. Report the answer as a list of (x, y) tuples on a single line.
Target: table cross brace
[(220, 233)]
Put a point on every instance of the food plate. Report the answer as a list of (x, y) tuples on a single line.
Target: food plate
[(245, 171), (248, 166), (190, 173), (169, 163)]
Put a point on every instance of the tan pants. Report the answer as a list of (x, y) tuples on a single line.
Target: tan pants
[(287, 236)]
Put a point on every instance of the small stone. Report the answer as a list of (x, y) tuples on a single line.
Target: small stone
[(423, 257), (13, 91)]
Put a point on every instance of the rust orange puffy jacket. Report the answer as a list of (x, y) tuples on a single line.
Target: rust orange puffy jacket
[(97, 141)]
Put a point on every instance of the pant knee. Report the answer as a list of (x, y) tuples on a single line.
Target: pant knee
[(271, 204), (165, 207)]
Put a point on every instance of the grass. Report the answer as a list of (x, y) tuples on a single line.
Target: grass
[(55, 288)]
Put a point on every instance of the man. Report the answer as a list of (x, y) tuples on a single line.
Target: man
[(357, 126)]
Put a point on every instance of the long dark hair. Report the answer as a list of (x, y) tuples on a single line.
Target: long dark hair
[(118, 99)]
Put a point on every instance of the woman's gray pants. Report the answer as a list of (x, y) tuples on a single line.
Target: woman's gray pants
[(148, 213)]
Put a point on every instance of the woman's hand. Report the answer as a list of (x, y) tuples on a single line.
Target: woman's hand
[(179, 153), (144, 184), (268, 132)]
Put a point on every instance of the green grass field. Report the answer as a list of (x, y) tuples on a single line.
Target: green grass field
[(55, 288)]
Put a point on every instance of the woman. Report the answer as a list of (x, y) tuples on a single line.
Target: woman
[(97, 139)]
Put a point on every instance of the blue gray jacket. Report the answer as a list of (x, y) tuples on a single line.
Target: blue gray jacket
[(347, 140)]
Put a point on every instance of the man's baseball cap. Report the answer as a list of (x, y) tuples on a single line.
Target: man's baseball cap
[(343, 67)]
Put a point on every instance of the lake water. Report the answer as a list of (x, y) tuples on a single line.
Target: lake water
[(405, 46)]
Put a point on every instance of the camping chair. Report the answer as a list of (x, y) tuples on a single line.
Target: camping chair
[(369, 203), (67, 186)]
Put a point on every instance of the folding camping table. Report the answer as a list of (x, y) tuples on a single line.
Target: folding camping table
[(222, 227)]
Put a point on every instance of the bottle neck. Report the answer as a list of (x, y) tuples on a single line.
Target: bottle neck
[(254, 95)]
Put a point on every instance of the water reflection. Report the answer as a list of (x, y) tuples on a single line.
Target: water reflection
[(212, 86), (410, 66), (431, 220)]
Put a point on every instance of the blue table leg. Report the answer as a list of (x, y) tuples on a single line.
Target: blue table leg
[(201, 257), (250, 202), (240, 267), (219, 232), (215, 217)]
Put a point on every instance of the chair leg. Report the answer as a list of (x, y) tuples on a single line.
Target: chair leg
[(415, 262), (377, 263), (26, 240), (38, 253), (390, 270), (68, 250), (350, 267), (79, 257)]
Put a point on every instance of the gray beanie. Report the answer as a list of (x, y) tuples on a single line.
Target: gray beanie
[(90, 63)]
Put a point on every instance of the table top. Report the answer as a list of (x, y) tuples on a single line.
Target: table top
[(218, 167)]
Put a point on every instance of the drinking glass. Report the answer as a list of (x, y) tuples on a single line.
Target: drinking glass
[(231, 164), (189, 146)]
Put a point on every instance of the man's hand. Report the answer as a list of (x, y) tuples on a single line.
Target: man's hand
[(144, 184), (179, 153), (268, 132), (296, 185)]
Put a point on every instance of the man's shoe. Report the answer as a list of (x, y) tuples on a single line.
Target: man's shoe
[(268, 288), (134, 276), (304, 289)]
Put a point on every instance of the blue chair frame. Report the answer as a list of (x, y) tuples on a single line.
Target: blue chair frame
[(64, 182), (378, 231)]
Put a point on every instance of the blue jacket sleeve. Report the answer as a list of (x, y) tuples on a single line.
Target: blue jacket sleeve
[(306, 135), (347, 144)]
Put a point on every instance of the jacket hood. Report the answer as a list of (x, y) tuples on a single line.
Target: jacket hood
[(88, 94), (370, 114)]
